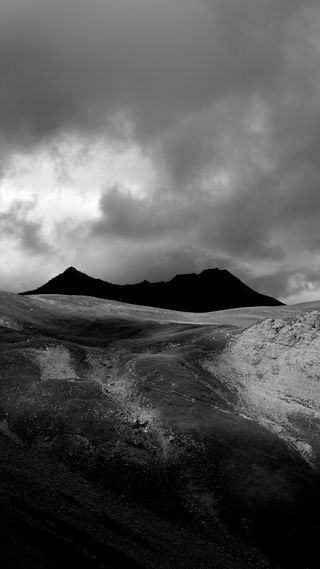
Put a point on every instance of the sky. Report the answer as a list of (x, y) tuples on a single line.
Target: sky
[(144, 138)]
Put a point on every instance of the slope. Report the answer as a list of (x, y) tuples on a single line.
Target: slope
[(125, 441)]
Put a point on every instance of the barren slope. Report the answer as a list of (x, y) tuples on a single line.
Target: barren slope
[(275, 365), (147, 437)]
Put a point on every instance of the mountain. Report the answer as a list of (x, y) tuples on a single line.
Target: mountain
[(213, 289)]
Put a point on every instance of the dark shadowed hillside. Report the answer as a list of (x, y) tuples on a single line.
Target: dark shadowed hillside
[(147, 439), (213, 289)]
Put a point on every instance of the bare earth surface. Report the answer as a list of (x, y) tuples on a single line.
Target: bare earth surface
[(139, 437)]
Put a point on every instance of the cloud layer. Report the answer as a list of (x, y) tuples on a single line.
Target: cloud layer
[(212, 108)]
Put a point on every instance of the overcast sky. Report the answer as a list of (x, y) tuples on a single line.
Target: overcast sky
[(141, 138)]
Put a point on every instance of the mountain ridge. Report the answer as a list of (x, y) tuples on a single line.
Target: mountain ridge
[(211, 290)]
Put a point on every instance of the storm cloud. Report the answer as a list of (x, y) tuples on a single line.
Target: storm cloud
[(14, 224), (219, 99)]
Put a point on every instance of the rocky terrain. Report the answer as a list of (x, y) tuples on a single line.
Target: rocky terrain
[(139, 437), (276, 365)]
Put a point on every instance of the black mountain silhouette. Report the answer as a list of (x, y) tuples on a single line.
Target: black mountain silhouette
[(213, 289)]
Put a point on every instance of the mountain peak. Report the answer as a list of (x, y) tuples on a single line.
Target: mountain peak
[(212, 289), (71, 270)]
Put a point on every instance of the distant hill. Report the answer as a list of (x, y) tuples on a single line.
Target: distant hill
[(213, 289)]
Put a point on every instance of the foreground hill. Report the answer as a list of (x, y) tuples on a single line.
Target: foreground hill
[(144, 438), (213, 289)]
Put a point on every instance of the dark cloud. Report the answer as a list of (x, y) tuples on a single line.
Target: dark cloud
[(15, 225), (221, 95), (160, 214), (70, 64)]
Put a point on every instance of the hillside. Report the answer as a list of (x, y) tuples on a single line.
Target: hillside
[(147, 438), (213, 289)]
